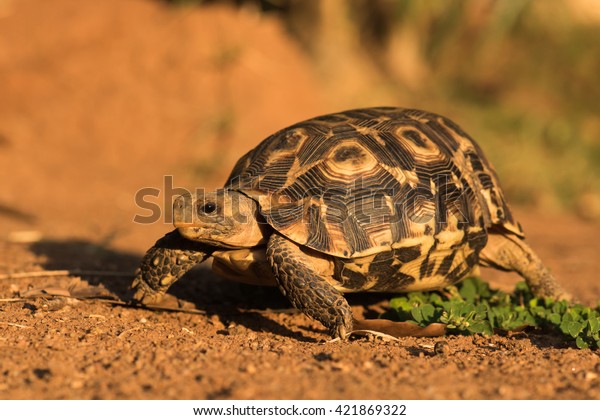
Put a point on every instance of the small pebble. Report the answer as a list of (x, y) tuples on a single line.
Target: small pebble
[(77, 384), (503, 390), (51, 305), (24, 236), (442, 348), (250, 368)]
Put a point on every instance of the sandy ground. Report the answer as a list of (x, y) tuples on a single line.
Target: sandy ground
[(96, 106)]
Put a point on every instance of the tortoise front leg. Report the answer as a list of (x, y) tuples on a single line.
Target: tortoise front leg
[(166, 262), (307, 290)]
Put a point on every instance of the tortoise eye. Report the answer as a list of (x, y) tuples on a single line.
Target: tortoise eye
[(208, 208)]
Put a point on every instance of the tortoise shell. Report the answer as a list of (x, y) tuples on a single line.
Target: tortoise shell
[(366, 181)]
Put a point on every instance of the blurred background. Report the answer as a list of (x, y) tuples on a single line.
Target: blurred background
[(101, 98)]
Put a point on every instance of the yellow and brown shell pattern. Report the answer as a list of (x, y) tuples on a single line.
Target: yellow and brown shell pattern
[(402, 199)]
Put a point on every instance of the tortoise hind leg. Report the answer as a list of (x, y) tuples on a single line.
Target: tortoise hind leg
[(306, 289), (510, 253)]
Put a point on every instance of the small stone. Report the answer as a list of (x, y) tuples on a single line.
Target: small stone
[(249, 368), (341, 366), (42, 373), (234, 329), (77, 384), (442, 348), (479, 340), (51, 305), (216, 322), (24, 236), (503, 390)]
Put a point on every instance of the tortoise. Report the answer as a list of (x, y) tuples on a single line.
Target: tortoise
[(378, 199)]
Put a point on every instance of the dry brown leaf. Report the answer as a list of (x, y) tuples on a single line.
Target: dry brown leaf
[(398, 329)]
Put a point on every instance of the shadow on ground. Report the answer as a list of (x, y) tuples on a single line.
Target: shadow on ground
[(200, 288)]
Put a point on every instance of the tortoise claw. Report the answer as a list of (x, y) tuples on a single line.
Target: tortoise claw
[(143, 293), (340, 333)]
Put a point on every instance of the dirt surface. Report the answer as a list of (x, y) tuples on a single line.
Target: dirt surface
[(96, 106)]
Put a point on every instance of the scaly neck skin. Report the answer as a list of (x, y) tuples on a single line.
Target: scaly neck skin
[(223, 218)]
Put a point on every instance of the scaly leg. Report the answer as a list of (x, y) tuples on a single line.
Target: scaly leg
[(306, 289), (510, 253), (166, 262)]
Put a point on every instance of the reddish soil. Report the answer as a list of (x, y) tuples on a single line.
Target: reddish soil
[(100, 99)]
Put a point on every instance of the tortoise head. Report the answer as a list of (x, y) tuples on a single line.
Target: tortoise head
[(224, 218)]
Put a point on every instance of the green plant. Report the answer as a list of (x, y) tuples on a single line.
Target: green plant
[(474, 308)]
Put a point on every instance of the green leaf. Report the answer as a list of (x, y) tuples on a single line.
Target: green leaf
[(428, 312), (416, 314), (567, 318), (594, 324), (581, 343), (555, 319), (481, 328), (573, 328), (477, 309), (468, 290)]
